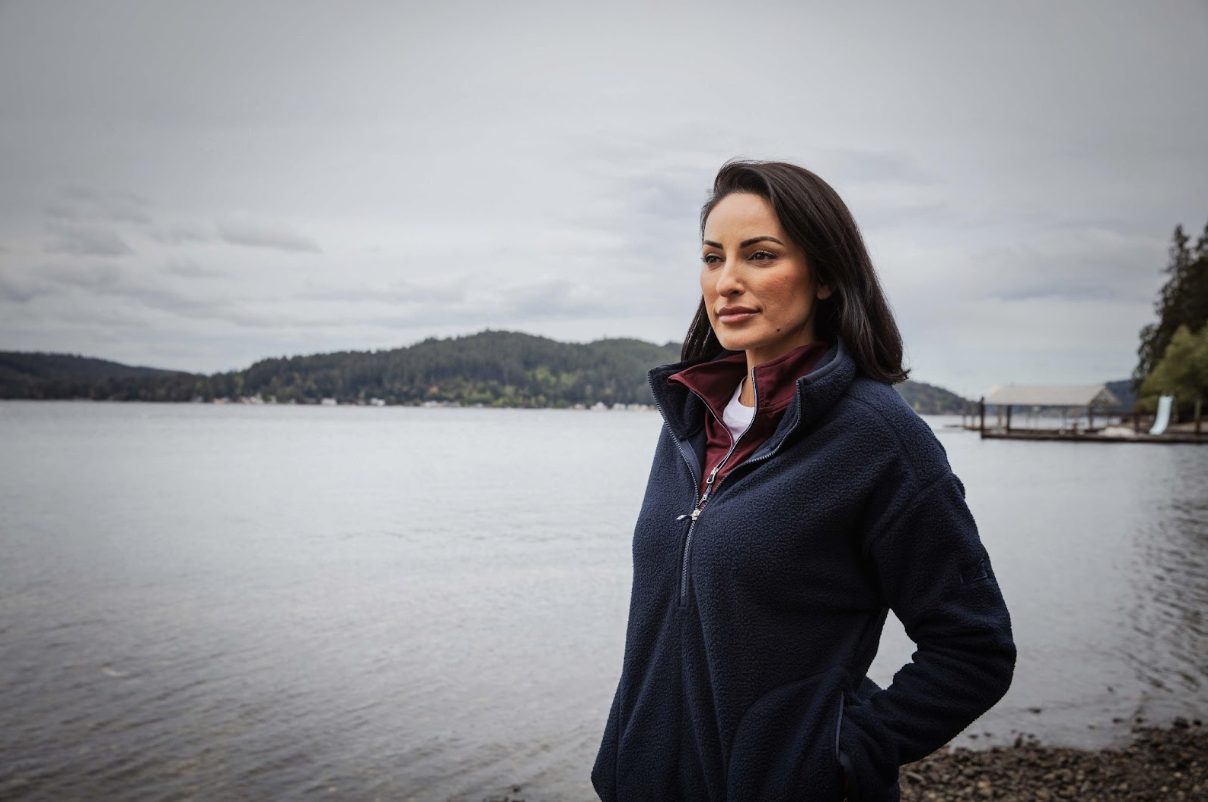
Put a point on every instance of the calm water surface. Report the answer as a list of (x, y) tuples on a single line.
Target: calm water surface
[(396, 603)]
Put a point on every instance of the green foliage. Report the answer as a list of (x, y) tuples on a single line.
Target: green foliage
[(492, 368), (1182, 371), (1182, 301)]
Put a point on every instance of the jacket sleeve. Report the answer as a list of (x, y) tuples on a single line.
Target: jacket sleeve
[(936, 576), (604, 770)]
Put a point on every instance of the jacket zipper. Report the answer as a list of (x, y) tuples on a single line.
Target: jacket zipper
[(710, 489), (839, 726), (696, 512)]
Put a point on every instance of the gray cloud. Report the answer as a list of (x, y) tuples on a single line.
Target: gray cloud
[(188, 268), (1074, 265), (19, 288), (392, 292), (265, 234), (554, 179), (61, 211), (83, 203), (121, 281), (880, 167), (554, 298), (93, 276), (180, 235), (85, 240)]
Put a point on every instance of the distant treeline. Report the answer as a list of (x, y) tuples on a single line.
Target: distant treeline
[(492, 368)]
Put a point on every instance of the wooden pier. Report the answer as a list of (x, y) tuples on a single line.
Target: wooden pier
[(1095, 436), (1079, 398)]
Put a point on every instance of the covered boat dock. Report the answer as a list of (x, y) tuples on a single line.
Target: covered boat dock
[(1040, 404)]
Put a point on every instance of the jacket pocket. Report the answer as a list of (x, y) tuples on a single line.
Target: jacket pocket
[(784, 747), (604, 771)]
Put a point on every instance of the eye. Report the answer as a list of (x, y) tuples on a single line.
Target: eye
[(763, 255), (711, 258)]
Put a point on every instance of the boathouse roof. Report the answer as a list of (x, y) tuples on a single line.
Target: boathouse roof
[(1052, 395)]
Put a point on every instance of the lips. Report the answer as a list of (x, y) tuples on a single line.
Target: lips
[(735, 314)]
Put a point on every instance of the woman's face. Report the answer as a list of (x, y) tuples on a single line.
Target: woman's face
[(757, 287)]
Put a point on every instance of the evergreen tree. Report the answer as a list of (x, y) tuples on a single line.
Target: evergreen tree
[(1182, 301)]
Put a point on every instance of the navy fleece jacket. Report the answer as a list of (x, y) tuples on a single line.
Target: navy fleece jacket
[(752, 624)]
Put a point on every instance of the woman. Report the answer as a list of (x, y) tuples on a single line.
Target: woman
[(794, 499)]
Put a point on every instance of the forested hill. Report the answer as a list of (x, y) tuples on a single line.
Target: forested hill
[(31, 374), (492, 368)]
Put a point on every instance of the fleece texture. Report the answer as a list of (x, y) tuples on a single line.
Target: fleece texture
[(752, 626)]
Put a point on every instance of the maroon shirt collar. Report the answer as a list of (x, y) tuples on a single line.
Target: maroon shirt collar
[(775, 380)]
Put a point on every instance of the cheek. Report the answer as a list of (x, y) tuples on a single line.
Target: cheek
[(785, 295)]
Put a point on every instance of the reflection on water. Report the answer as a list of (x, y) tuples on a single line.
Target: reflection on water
[(430, 604), (1170, 593)]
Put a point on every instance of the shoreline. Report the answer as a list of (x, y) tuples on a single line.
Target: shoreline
[(1160, 763)]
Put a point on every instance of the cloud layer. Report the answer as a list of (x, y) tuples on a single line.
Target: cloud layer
[(194, 191)]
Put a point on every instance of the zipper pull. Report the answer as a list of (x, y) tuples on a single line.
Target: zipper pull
[(704, 497)]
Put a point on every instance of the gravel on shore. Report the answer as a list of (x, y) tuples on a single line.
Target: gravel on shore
[(1159, 764)]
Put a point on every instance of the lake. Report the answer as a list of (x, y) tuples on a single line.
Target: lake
[(288, 602)]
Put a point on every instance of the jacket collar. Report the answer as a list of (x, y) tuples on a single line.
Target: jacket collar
[(814, 393), (716, 380)]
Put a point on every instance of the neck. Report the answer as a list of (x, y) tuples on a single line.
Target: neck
[(757, 356), (747, 396)]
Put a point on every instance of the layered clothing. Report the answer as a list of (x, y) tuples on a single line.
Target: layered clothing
[(758, 599)]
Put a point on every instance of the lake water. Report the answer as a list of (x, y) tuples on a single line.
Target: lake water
[(233, 602)]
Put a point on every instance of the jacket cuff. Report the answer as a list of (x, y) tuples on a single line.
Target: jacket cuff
[(870, 762)]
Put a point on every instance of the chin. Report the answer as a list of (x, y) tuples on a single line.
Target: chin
[(733, 341)]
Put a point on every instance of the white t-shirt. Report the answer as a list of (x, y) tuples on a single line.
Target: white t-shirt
[(737, 417)]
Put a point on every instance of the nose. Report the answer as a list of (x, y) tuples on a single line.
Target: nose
[(728, 280)]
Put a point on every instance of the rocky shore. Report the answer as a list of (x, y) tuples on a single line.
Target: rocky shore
[(1160, 764)]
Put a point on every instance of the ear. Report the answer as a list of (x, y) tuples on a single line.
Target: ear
[(824, 292)]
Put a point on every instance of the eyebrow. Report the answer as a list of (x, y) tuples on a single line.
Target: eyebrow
[(746, 242)]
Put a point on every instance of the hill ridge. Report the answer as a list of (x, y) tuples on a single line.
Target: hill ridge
[(492, 367)]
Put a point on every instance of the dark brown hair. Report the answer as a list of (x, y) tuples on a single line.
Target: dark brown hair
[(819, 222)]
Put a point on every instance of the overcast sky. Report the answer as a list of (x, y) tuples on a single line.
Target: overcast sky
[(200, 185)]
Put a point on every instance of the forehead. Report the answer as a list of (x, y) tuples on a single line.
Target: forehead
[(740, 216)]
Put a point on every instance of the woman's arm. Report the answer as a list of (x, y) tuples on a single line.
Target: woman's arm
[(936, 577)]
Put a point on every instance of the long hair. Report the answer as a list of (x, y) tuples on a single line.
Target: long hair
[(818, 221)]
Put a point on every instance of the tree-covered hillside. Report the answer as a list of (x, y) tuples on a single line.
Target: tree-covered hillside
[(34, 374), (927, 399), (492, 368)]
